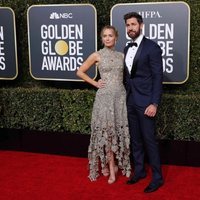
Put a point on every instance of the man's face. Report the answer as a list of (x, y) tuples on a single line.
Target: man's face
[(133, 28)]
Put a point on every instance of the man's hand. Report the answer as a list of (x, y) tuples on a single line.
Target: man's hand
[(151, 110)]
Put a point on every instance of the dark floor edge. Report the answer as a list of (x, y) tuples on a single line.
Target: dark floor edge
[(172, 152)]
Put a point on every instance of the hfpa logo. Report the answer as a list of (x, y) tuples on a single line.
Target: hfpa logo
[(56, 15)]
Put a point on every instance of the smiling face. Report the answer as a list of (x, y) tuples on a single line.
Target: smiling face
[(133, 28), (109, 37)]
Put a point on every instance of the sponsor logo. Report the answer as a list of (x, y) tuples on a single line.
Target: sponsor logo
[(56, 15)]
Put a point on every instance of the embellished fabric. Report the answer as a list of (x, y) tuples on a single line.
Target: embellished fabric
[(109, 124)]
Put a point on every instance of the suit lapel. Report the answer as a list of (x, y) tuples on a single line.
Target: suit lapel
[(137, 55), (125, 67)]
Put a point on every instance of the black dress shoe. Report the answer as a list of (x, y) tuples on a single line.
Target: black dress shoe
[(134, 179), (153, 186)]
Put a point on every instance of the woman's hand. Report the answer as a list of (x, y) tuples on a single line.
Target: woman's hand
[(100, 84)]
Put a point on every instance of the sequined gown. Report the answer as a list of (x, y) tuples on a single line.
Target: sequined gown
[(109, 124)]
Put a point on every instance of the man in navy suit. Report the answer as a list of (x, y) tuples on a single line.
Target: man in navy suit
[(143, 76)]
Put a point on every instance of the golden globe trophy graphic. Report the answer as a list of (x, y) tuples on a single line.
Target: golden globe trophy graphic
[(60, 38), (61, 47)]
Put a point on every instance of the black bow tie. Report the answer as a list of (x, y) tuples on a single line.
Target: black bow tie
[(130, 44)]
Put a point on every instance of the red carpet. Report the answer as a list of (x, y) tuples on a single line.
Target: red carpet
[(32, 176)]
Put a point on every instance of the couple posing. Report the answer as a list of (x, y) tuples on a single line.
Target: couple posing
[(130, 85)]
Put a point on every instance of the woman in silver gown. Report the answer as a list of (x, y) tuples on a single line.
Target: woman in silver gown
[(109, 142)]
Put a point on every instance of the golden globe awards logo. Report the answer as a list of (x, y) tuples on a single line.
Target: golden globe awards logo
[(8, 52), (62, 47), (164, 34), (61, 37)]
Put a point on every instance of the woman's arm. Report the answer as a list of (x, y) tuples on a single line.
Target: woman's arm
[(89, 62)]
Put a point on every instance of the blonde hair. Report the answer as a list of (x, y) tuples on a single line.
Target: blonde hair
[(109, 27)]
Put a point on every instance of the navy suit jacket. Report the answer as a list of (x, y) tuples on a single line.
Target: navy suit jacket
[(145, 81)]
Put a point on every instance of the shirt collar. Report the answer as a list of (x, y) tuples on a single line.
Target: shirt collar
[(139, 39)]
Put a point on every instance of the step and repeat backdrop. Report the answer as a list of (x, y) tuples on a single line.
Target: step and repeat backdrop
[(168, 24), (62, 36), (8, 47)]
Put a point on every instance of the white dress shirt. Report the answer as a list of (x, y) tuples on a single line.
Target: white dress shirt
[(130, 55)]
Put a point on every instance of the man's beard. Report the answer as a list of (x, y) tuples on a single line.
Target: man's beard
[(134, 35)]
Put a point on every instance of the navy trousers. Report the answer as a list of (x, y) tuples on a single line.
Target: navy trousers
[(142, 133)]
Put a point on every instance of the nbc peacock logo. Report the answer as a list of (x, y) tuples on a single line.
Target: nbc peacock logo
[(55, 15)]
